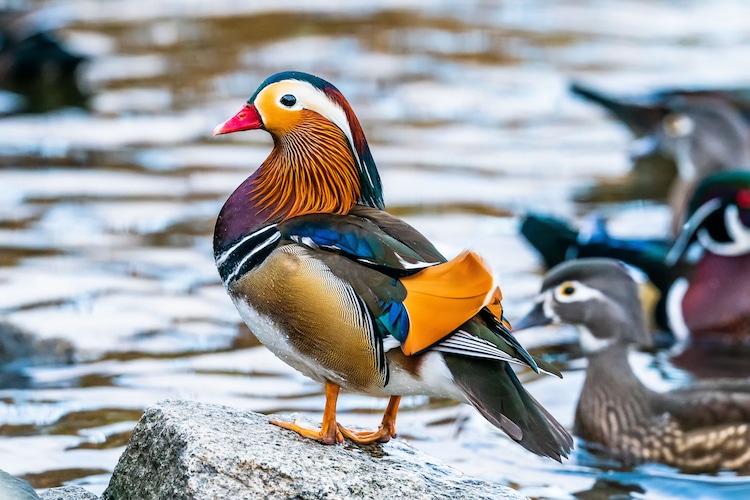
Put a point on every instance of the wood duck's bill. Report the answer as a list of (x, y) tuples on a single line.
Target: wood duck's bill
[(536, 317)]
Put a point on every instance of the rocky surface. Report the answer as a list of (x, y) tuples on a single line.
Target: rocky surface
[(68, 493), (188, 450)]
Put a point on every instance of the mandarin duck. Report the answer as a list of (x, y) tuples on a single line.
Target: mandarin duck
[(351, 296), (703, 277), (704, 427), (701, 132), (556, 241)]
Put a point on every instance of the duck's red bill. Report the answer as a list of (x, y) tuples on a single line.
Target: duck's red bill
[(246, 119)]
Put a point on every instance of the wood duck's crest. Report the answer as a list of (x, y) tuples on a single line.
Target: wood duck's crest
[(597, 295), (718, 217)]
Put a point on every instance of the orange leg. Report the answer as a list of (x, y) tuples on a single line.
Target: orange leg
[(329, 432), (386, 429)]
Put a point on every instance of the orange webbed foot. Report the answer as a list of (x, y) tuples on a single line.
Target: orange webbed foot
[(325, 435)]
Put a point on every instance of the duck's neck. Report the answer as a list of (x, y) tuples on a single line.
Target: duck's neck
[(310, 170), (725, 144), (613, 399)]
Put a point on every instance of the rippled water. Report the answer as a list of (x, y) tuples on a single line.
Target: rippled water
[(106, 213)]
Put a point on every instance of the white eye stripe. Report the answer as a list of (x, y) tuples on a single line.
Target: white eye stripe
[(581, 293), (314, 99), (737, 231)]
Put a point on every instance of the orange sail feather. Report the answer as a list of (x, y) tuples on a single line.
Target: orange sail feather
[(441, 298)]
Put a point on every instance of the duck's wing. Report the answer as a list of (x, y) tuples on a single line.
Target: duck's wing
[(427, 304), (709, 404), (413, 294)]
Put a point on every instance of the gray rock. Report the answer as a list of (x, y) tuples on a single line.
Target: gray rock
[(188, 450), (68, 493)]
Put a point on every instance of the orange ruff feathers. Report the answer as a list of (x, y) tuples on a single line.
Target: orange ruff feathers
[(441, 298)]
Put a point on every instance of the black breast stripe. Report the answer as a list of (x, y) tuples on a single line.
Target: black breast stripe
[(247, 253)]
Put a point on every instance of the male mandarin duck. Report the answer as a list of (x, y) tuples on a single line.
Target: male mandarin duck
[(351, 296), (704, 427), (703, 132), (703, 277)]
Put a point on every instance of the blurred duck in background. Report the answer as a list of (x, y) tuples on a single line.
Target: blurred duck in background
[(35, 66), (700, 132), (704, 427), (690, 138), (703, 277), (12, 488)]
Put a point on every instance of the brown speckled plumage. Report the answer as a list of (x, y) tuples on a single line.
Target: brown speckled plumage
[(701, 428), (704, 427)]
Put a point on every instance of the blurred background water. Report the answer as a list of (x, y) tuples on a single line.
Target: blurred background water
[(109, 192)]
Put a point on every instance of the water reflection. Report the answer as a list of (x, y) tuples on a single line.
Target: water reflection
[(106, 213)]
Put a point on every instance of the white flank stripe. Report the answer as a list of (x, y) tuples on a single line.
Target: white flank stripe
[(273, 239)]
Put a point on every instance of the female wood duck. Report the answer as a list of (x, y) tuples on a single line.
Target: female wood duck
[(352, 296), (701, 428), (702, 132), (703, 276)]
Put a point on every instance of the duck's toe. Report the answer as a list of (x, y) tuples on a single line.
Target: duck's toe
[(382, 435), (326, 434)]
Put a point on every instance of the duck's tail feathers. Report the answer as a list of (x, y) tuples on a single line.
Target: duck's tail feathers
[(493, 388)]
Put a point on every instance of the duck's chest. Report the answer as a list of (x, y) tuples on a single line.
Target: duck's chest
[(311, 318)]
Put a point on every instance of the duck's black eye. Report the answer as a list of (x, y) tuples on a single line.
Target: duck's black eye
[(568, 290), (288, 100)]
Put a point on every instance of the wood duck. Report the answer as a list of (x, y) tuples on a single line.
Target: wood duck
[(701, 428), (703, 276), (556, 241), (351, 296), (710, 303), (702, 132)]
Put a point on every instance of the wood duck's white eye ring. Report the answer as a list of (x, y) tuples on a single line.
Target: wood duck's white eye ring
[(575, 291), (678, 125)]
